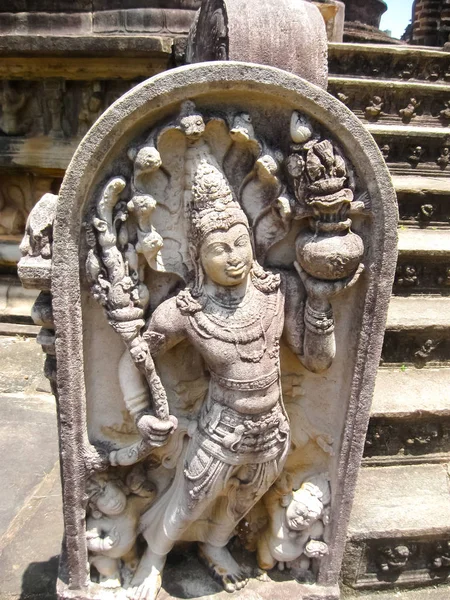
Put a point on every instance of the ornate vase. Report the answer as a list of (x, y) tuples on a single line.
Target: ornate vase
[(329, 254), (327, 249)]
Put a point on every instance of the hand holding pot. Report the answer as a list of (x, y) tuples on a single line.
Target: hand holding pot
[(321, 291)]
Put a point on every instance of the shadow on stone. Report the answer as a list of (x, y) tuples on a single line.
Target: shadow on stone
[(39, 580)]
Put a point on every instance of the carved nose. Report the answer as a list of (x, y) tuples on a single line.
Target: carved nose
[(234, 261)]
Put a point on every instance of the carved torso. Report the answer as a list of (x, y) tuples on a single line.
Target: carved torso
[(240, 345)]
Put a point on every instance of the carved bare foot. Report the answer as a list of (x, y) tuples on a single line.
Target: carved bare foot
[(146, 582), (223, 567)]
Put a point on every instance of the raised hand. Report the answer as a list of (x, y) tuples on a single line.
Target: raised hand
[(156, 431), (321, 291)]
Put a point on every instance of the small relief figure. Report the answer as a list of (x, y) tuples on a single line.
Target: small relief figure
[(423, 354), (385, 151), (406, 276), (433, 73), (444, 158), (91, 107), (421, 438), (444, 279), (407, 71), (427, 211), (374, 109), (54, 93), (376, 439), (112, 525), (441, 559), (146, 162), (410, 112), (445, 112), (343, 98), (243, 151), (294, 534), (12, 104), (392, 560), (38, 238), (416, 155)]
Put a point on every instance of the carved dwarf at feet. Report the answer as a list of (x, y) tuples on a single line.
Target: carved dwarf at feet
[(294, 535), (112, 524)]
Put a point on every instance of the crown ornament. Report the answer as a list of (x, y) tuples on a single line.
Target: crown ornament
[(211, 203)]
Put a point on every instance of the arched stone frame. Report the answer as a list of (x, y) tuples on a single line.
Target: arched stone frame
[(143, 105)]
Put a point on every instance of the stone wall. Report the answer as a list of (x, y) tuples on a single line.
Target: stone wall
[(431, 22)]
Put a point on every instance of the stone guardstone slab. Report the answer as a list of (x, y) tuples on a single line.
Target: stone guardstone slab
[(221, 262)]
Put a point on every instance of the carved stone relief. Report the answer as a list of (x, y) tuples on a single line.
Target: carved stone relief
[(421, 158), (423, 211), (18, 194), (392, 441), (393, 105), (403, 562), (420, 276), (417, 348), (55, 107), (351, 62), (226, 246)]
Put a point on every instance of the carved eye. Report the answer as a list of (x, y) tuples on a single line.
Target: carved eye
[(242, 241), (216, 250)]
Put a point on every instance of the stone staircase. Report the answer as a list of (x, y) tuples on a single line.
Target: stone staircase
[(399, 535)]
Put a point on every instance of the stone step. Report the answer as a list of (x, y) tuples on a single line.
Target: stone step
[(15, 301), (417, 331), (423, 201), (410, 417), (399, 527), (402, 62), (411, 393), (410, 133), (423, 265), (393, 101), (437, 592), (424, 243), (415, 150), (429, 313), (421, 186)]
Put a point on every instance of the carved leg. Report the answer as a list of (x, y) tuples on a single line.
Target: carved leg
[(264, 557), (146, 582), (108, 569), (245, 488), (130, 564), (300, 569)]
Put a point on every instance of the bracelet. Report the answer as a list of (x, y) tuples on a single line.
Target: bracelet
[(319, 322)]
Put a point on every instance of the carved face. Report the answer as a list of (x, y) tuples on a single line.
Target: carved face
[(193, 126), (111, 500), (299, 516), (227, 256)]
